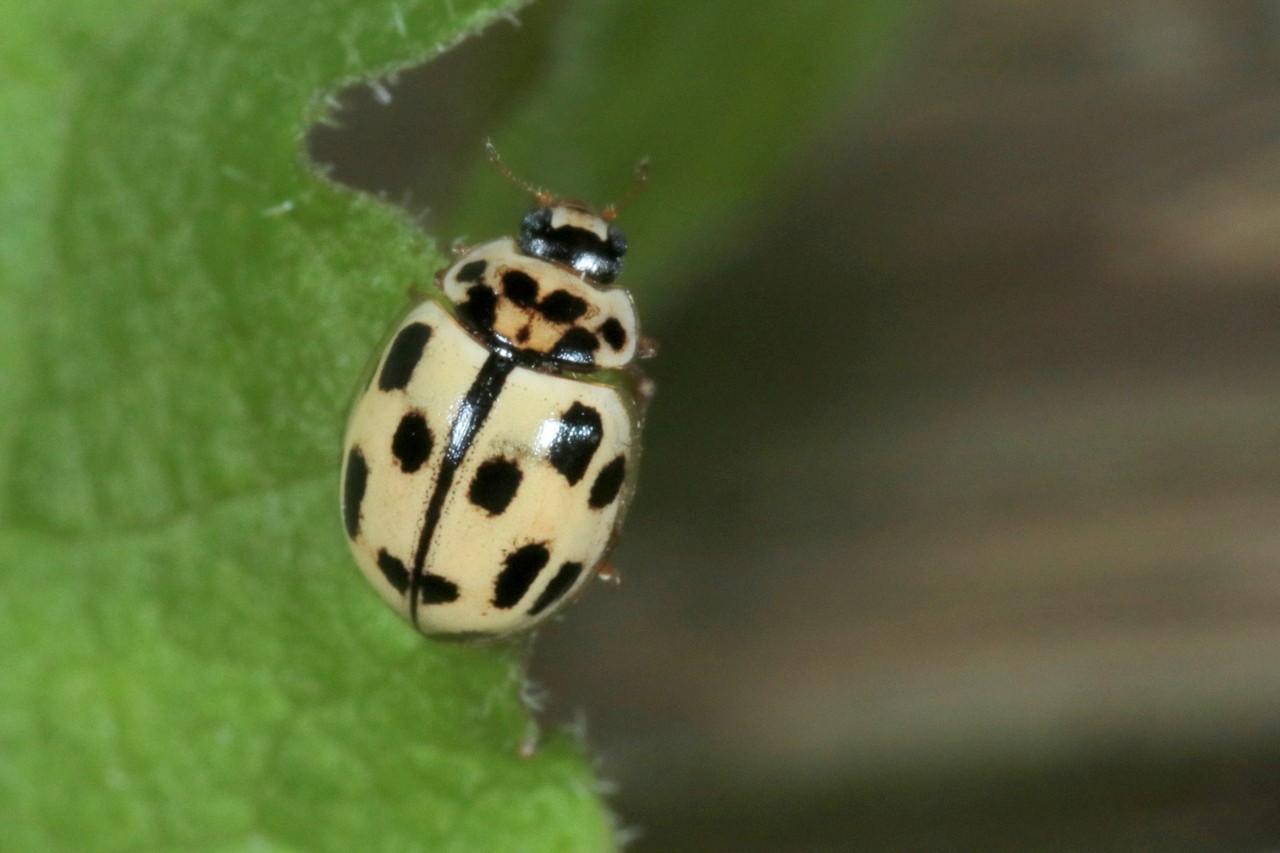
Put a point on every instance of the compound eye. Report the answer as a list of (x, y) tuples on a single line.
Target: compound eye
[(536, 221), (617, 242)]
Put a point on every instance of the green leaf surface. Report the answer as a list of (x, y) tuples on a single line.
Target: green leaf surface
[(188, 657)]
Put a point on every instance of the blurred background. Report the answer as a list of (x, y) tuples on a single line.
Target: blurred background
[(957, 527)]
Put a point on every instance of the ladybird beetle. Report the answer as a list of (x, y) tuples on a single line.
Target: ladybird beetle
[(490, 458)]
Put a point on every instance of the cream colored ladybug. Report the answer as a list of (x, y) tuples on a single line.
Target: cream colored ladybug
[(490, 460)]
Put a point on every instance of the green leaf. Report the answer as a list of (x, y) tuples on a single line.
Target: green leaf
[(190, 659)]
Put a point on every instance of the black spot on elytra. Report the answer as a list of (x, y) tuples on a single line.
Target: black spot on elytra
[(520, 288), (403, 356), (481, 307), (353, 486), (605, 489), (561, 306), (434, 589), (522, 567), (495, 484), (613, 333), (576, 346), (411, 444), (471, 271), (576, 441), (437, 590), (560, 584), (394, 571)]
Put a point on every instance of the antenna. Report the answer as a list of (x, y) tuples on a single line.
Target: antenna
[(543, 197), (641, 180)]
